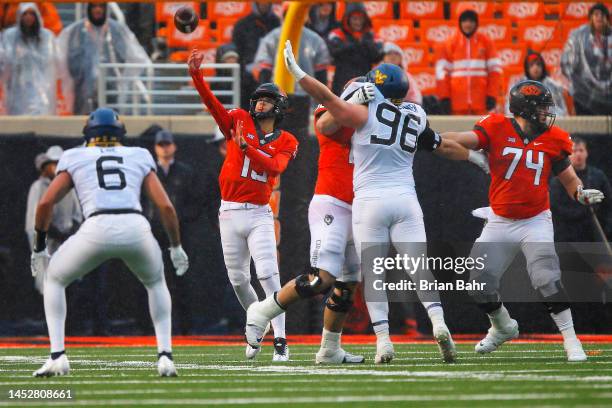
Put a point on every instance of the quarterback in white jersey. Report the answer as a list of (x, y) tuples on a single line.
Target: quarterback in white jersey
[(385, 208), (108, 179)]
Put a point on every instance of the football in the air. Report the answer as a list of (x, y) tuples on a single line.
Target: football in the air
[(186, 20)]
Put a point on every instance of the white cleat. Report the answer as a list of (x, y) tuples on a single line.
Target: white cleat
[(496, 337), (445, 344), (384, 352), (59, 366), (251, 352), (166, 368), (256, 324), (281, 350), (574, 350), (338, 356)]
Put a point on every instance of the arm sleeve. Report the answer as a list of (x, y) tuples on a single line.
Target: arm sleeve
[(429, 140), (216, 108), (276, 164)]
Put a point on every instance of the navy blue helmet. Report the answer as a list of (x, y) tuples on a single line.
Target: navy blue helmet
[(391, 81), (104, 123)]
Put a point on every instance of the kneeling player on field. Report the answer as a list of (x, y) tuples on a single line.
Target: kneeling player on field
[(523, 151), (108, 178)]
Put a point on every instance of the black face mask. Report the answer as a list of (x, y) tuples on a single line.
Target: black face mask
[(31, 31), (99, 21)]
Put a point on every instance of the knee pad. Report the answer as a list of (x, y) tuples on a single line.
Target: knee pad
[(558, 302), (340, 303), (306, 288)]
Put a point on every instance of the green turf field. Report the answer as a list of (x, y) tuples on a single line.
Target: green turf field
[(518, 375)]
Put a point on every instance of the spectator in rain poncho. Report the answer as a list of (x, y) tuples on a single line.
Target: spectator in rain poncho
[(587, 63), (535, 69), (28, 59), (86, 44)]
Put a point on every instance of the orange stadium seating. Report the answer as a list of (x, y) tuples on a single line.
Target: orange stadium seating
[(375, 9), (418, 10), (511, 55), (536, 34), (233, 10), (425, 78), (394, 30), (496, 29), (435, 32), (516, 11), (225, 28), (415, 55), (575, 10), (485, 9)]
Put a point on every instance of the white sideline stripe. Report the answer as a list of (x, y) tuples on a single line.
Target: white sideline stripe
[(313, 400)]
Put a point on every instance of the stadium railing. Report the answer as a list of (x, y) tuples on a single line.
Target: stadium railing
[(155, 89)]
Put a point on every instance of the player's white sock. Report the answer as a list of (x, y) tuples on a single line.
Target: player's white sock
[(381, 329), (500, 318), (160, 308), (270, 308), (330, 340), (270, 286), (378, 311), (246, 294), (435, 313), (564, 322), (55, 313)]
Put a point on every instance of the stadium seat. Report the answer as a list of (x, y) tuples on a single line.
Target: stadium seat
[(393, 30), (377, 10), (208, 48), (517, 11), (511, 55), (164, 11), (425, 79), (227, 9), (537, 33), (225, 28), (575, 10), (417, 10), (485, 9), (497, 30), (176, 39), (436, 31), (552, 56), (415, 55)]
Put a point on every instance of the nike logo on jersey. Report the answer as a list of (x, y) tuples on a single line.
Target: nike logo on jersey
[(272, 148), (512, 140), (250, 136), (536, 144)]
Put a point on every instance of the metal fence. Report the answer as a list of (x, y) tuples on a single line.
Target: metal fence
[(163, 89)]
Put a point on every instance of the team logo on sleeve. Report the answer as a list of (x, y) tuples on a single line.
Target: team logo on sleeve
[(328, 219)]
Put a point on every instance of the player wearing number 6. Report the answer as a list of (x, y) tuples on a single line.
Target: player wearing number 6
[(108, 179), (523, 151), (385, 207), (260, 152)]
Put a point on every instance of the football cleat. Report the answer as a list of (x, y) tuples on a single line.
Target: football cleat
[(445, 344), (251, 352), (281, 350), (384, 352), (338, 356), (166, 368), (256, 325), (496, 337), (574, 350), (59, 366)]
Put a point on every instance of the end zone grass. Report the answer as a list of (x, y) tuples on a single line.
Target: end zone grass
[(534, 374)]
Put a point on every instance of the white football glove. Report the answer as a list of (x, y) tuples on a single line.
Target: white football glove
[(589, 196), (363, 95), (39, 261), (179, 260), (291, 63), (480, 159)]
